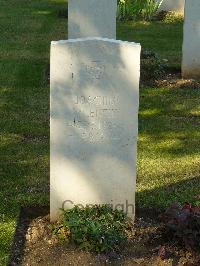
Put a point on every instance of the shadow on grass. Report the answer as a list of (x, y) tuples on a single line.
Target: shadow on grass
[(26, 215), (163, 196), (170, 115)]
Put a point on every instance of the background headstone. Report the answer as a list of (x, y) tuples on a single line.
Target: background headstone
[(94, 123), (191, 40), (92, 18), (173, 5)]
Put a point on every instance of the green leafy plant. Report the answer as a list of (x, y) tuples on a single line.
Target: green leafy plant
[(152, 67), (125, 9), (150, 8), (184, 223), (137, 9), (96, 228)]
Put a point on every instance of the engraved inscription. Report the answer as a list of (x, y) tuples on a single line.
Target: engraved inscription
[(95, 117), (93, 112), (97, 100)]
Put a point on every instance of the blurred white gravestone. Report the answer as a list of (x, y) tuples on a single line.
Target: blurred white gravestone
[(191, 40), (172, 5), (92, 18), (94, 123)]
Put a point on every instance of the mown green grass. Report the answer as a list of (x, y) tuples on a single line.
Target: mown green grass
[(26, 29), (162, 38), (168, 147), (168, 159)]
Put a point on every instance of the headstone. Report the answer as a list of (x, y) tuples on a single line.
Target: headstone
[(94, 123), (92, 18), (172, 5), (191, 40), (94, 112)]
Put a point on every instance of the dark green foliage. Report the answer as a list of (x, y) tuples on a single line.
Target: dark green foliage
[(96, 228), (152, 67), (63, 13), (184, 222)]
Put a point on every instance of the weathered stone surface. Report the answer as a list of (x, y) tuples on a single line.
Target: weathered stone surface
[(92, 18), (94, 123), (191, 40), (173, 5)]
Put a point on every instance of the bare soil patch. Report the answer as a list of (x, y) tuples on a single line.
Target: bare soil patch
[(34, 244)]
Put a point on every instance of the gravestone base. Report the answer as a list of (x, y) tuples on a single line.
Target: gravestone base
[(94, 123), (192, 73)]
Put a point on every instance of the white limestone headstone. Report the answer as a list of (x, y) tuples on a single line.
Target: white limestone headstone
[(191, 40), (172, 5), (92, 18), (94, 123)]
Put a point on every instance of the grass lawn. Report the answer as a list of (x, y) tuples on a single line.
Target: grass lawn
[(169, 121)]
